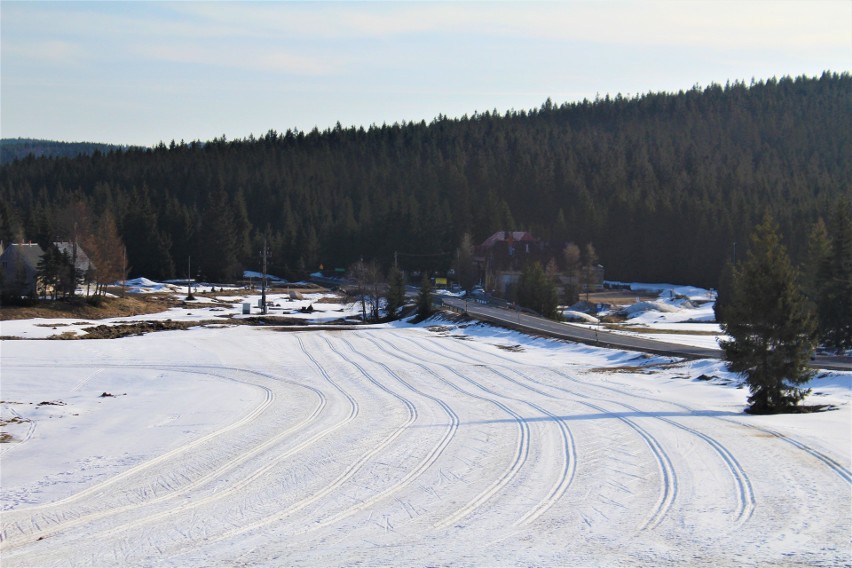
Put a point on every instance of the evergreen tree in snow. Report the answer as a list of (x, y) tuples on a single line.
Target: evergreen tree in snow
[(424, 299), (771, 328), (537, 291), (396, 292)]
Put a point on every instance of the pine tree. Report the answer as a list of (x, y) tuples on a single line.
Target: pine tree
[(835, 290), (396, 292), (817, 263), (465, 269), (218, 249), (571, 258), (772, 331), (536, 291), (148, 248), (52, 269), (424, 299), (589, 265)]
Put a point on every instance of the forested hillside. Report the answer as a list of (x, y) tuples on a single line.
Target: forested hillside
[(12, 149), (662, 184)]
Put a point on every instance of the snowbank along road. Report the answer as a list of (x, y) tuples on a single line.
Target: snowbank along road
[(245, 446)]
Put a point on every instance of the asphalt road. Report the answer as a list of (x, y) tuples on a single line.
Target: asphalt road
[(530, 323)]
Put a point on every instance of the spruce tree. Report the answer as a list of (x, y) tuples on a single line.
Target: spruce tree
[(771, 328), (396, 292), (53, 269), (591, 260), (816, 268), (536, 291), (466, 271), (835, 299), (219, 245), (571, 258), (424, 299)]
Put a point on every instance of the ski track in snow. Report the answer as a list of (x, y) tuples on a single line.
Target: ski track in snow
[(172, 493), (668, 478), (744, 490), (402, 447), (566, 472), (351, 471)]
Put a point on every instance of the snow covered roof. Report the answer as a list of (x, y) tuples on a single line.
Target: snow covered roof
[(512, 236)]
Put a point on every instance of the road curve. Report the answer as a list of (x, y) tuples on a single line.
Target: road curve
[(530, 323)]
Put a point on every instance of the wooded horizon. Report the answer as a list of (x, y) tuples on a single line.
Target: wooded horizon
[(665, 185)]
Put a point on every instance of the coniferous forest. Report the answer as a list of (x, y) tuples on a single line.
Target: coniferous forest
[(667, 186)]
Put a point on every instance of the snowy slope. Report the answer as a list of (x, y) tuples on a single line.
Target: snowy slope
[(407, 446)]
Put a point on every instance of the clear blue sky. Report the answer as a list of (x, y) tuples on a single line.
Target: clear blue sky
[(145, 72)]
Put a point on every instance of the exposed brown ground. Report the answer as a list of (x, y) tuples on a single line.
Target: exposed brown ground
[(619, 297), (79, 308)]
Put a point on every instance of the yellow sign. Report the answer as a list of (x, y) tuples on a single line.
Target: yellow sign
[(441, 281)]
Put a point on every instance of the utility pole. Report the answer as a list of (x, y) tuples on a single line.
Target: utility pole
[(264, 253), (189, 295), (74, 262), (124, 271)]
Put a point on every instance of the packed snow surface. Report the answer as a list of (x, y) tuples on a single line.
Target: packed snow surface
[(407, 446)]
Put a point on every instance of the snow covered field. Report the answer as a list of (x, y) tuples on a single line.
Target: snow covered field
[(406, 446)]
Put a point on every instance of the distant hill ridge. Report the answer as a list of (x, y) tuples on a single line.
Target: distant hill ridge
[(12, 149)]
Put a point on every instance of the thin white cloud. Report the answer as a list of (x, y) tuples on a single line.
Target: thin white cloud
[(258, 58), (55, 52), (696, 23), (285, 36)]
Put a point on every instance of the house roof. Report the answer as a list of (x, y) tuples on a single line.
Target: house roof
[(27, 253), (83, 262), (30, 254), (513, 236)]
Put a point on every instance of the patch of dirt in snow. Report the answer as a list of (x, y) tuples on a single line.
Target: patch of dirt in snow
[(80, 308)]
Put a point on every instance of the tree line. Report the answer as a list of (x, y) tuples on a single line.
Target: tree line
[(666, 185), (12, 149)]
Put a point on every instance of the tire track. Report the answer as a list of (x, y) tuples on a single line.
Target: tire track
[(521, 448), (248, 418), (742, 479), (746, 501), (569, 460), (745, 493), (8, 447), (833, 465), (86, 380), (569, 457), (668, 478), (206, 478), (416, 471), (827, 461), (247, 480), (347, 474)]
